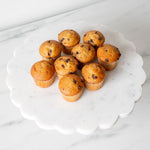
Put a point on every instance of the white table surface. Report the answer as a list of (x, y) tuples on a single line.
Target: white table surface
[(132, 18)]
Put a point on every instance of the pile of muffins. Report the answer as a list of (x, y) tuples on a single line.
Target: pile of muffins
[(79, 58)]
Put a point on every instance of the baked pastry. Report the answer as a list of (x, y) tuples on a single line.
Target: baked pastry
[(93, 75), (108, 55), (43, 73), (65, 65), (68, 38), (83, 52), (50, 50), (71, 86), (95, 38)]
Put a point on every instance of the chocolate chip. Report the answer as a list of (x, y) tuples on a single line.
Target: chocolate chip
[(62, 40), (68, 39), (72, 53), (91, 40), (89, 48), (106, 50), (100, 38), (88, 42), (79, 87), (60, 58), (50, 50), (77, 52), (118, 58), (71, 30), (82, 45), (70, 72), (67, 60), (49, 41), (82, 81), (93, 76), (74, 81), (119, 54), (48, 54), (63, 66), (84, 35), (116, 50), (96, 32), (106, 60)]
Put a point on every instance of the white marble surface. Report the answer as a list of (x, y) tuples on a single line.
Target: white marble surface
[(132, 18), (94, 110)]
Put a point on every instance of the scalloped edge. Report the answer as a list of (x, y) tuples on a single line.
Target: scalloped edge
[(78, 130)]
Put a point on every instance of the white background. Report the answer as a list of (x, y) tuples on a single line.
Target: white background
[(132, 18), (15, 12)]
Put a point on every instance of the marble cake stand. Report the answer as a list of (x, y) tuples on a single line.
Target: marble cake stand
[(95, 109)]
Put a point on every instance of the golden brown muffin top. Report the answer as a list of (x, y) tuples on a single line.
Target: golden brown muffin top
[(93, 73), (71, 84), (66, 65), (108, 53), (69, 38), (42, 70), (50, 49), (95, 38), (83, 52)]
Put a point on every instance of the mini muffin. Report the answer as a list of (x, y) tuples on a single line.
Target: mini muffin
[(65, 65), (71, 86), (50, 50), (108, 55), (43, 73), (95, 38), (93, 75), (83, 52), (69, 38)]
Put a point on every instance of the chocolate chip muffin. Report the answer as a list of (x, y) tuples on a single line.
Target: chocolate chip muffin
[(68, 38), (65, 65), (93, 75), (95, 38), (50, 49), (83, 52), (43, 73), (71, 87), (108, 55)]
